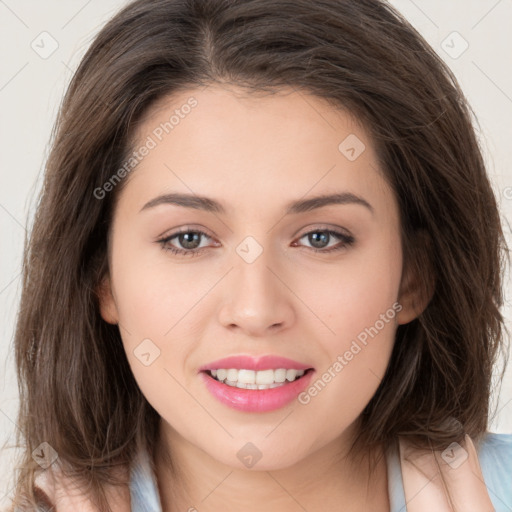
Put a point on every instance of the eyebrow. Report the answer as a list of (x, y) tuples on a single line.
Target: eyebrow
[(294, 207)]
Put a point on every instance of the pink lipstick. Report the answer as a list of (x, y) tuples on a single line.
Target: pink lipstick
[(256, 384)]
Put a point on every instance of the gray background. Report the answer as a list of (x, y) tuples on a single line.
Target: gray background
[(32, 84)]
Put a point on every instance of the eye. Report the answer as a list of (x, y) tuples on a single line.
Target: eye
[(189, 240), (320, 239)]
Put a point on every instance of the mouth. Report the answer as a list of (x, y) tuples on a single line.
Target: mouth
[(256, 391), (257, 380)]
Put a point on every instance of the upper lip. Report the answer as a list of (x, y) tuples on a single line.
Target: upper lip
[(267, 362)]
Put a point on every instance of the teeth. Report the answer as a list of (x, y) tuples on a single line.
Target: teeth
[(265, 377), (232, 375), (291, 374), (250, 379), (247, 376), (280, 375)]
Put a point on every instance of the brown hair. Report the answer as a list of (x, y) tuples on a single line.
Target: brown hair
[(77, 391)]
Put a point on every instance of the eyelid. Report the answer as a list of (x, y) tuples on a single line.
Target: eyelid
[(170, 233), (346, 240), (322, 227)]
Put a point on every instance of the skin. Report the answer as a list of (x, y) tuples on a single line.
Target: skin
[(254, 154)]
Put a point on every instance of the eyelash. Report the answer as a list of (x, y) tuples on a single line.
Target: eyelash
[(164, 242)]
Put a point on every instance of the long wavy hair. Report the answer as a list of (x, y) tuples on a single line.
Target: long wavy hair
[(77, 391)]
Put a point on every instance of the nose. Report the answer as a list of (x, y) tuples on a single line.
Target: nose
[(256, 299)]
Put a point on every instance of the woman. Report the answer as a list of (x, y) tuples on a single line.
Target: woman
[(186, 340)]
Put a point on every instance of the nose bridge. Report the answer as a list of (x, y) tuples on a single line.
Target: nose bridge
[(255, 299)]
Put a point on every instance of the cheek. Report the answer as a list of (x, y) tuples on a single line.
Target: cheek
[(361, 309), (359, 290), (152, 294), (153, 299), (162, 302)]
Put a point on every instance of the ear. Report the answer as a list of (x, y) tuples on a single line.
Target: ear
[(108, 308), (418, 280)]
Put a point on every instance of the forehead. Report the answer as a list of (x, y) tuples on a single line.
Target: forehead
[(253, 147)]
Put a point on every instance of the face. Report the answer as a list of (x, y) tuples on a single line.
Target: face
[(258, 271)]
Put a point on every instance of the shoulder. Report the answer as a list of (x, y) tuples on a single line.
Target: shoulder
[(43, 503), (476, 474), (496, 447), (143, 484), (53, 491), (495, 457), (56, 493)]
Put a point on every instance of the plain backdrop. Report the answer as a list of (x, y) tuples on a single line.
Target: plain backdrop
[(42, 43)]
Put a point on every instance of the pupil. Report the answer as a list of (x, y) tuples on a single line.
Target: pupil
[(315, 239), (189, 243)]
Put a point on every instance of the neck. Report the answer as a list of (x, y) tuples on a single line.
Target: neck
[(325, 480)]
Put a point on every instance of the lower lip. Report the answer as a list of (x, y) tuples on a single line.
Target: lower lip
[(256, 400)]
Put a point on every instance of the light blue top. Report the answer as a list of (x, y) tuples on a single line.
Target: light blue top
[(494, 454)]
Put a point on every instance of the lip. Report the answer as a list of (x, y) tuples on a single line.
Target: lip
[(256, 400), (267, 362)]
